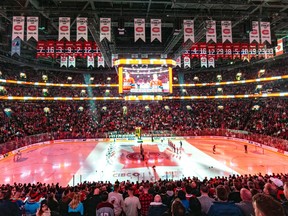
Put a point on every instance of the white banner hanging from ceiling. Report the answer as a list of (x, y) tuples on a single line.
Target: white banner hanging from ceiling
[(226, 29), (81, 28), (32, 28), (63, 61), (265, 32), (64, 28), (187, 63), (18, 27), (203, 60), (211, 31), (156, 32), (188, 30), (178, 61), (211, 62), (139, 29), (254, 34), (71, 61), (90, 61), (105, 29), (100, 61)]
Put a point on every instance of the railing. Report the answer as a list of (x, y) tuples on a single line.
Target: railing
[(280, 144)]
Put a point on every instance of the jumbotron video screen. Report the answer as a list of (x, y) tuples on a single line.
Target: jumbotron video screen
[(145, 79)]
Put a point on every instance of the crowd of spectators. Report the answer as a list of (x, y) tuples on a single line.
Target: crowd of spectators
[(182, 117), (245, 195)]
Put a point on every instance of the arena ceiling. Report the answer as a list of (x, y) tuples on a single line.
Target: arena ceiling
[(172, 13)]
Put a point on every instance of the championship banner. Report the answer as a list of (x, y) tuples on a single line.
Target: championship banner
[(211, 55), (188, 30), (252, 51), (71, 61), (211, 62), (228, 54), (186, 59), (236, 50), (156, 31), (81, 28), (100, 61), (16, 46), (114, 57), (139, 29), (64, 28), (178, 61), (105, 29), (32, 28), (261, 51), (219, 51), (63, 61), (59, 46), (50, 49), (245, 51), (279, 48), (211, 31), (41, 47), (195, 51), (226, 29), (69, 48), (203, 61), (90, 61), (254, 34), (78, 49), (95, 50), (87, 49), (18, 27), (265, 32)]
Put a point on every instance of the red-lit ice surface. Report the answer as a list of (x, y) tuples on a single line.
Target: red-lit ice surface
[(74, 162)]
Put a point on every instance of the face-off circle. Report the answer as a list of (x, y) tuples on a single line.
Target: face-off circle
[(151, 155)]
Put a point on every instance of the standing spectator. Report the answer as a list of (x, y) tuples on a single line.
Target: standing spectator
[(145, 200), (222, 207), (31, 205), (117, 200), (65, 200), (131, 204), (195, 207), (184, 201), (105, 207), (53, 203), (246, 204), (7, 207), (265, 205), (92, 202), (285, 203), (205, 200), (75, 206), (157, 207), (44, 209)]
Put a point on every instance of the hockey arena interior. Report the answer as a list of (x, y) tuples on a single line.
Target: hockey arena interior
[(143, 108)]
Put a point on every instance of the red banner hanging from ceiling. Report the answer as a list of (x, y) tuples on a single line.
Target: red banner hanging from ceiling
[(41, 48)]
